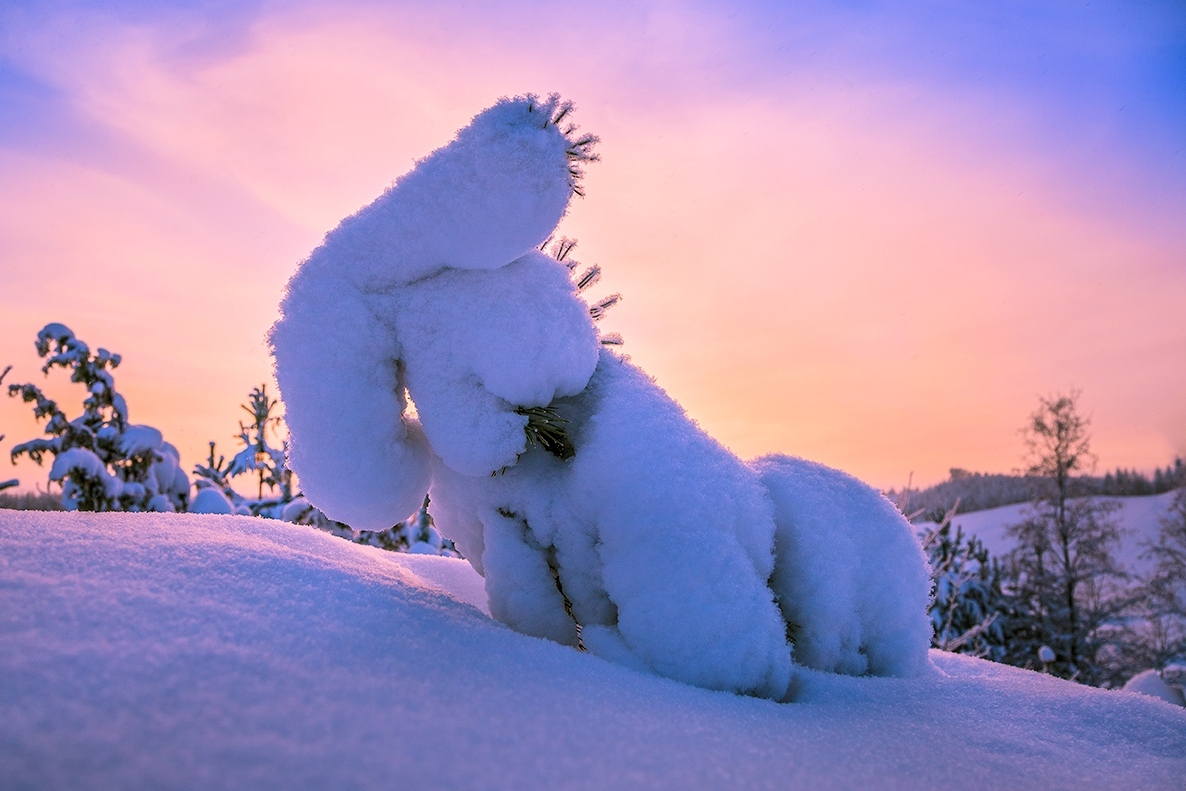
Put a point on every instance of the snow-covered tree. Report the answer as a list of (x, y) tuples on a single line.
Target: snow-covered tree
[(436, 295), (1160, 631), (104, 462), (259, 456), (1063, 572), (13, 482), (970, 611), (214, 493)]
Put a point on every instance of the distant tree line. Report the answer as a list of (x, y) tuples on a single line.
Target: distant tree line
[(977, 491)]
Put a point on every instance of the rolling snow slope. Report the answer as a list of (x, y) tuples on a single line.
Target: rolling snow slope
[(196, 651), (1139, 519)]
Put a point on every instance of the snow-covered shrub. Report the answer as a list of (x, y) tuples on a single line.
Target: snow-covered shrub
[(211, 500), (1157, 637), (969, 612), (104, 462), (598, 512), (213, 493)]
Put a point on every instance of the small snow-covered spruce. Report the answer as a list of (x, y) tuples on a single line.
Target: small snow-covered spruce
[(969, 611), (435, 289), (213, 484), (258, 455), (104, 462)]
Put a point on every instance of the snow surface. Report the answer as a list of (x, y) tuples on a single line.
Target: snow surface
[(195, 651), (1139, 519)]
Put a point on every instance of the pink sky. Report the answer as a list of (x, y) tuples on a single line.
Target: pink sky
[(820, 257)]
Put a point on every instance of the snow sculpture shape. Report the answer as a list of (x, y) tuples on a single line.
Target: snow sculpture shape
[(646, 541)]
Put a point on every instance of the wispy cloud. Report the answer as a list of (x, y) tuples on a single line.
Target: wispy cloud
[(868, 233)]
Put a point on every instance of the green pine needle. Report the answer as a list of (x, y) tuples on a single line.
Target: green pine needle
[(547, 429)]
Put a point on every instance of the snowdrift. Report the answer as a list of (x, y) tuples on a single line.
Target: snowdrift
[(184, 651)]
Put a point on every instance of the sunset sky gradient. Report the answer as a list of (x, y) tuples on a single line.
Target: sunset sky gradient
[(867, 233)]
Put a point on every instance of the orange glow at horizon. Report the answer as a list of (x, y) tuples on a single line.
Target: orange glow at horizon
[(843, 276)]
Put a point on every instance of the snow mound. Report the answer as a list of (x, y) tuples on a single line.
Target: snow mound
[(1150, 682), (210, 500), (186, 651)]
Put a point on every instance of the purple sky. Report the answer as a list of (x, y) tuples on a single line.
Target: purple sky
[(871, 234)]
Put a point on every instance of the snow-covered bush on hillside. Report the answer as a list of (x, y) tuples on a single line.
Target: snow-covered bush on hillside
[(598, 512), (970, 613), (1160, 630), (104, 462), (213, 493)]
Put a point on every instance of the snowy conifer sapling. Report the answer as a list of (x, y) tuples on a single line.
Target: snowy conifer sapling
[(1163, 598), (969, 610), (9, 484), (258, 455), (104, 462)]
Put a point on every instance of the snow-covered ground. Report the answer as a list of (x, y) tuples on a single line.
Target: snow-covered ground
[(196, 651), (1139, 519)]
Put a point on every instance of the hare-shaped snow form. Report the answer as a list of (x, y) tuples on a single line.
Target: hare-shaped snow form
[(647, 542)]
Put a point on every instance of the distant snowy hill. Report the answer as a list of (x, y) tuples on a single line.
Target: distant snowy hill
[(185, 651), (1139, 519)]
